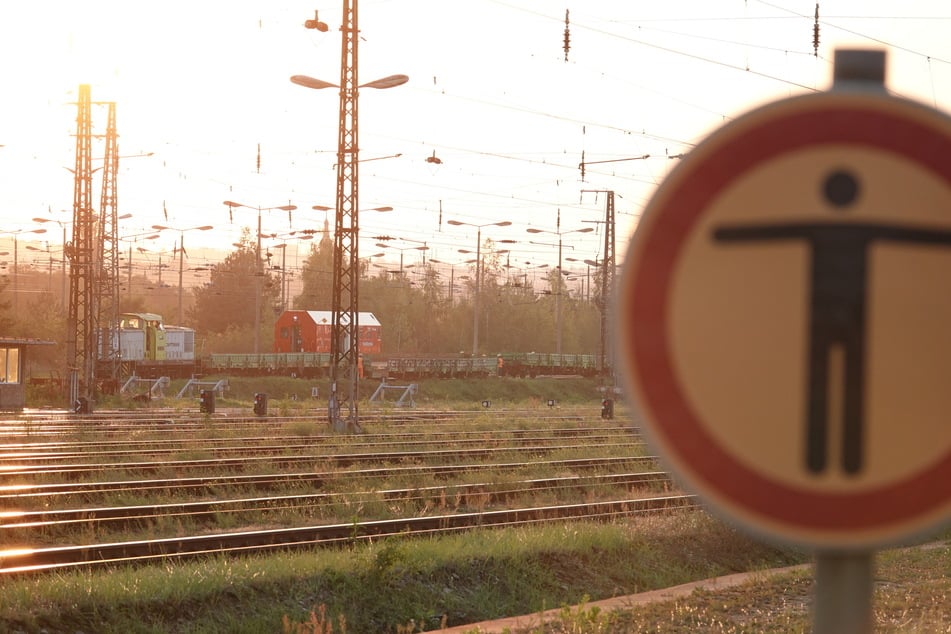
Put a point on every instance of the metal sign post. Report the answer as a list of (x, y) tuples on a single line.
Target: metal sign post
[(783, 324)]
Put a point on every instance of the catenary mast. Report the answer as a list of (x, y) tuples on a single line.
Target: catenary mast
[(81, 319)]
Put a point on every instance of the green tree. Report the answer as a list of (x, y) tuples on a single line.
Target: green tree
[(492, 321), (523, 318), (317, 277), (228, 300), (434, 319), (387, 297), (6, 306), (43, 319)]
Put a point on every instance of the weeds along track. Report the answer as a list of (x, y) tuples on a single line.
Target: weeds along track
[(83, 492), (119, 424), (22, 494), (75, 471), (36, 560), (462, 495), (36, 454)]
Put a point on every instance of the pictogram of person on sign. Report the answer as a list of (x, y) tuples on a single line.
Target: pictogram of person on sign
[(839, 279)]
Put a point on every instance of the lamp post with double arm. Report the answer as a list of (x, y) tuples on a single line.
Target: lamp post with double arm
[(422, 248), (181, 258), (558, 232), (259, 271), (307, 234), (344, 323), (478, 279), (14, 273), (62, 224)]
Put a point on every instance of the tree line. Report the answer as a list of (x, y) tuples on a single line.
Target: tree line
[(431, 311)]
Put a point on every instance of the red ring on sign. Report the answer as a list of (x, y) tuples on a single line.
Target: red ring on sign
[(830, 119)]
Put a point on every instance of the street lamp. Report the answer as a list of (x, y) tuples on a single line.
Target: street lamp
[(181, 258), (62, 224), (558, 232), (49, 255), (452, 274), (131, 239), (422, 247), (309, 235), (390, 81), (524, 271), (478, 279), (16, 293), (586, 283), (257, 256), (345, 299)]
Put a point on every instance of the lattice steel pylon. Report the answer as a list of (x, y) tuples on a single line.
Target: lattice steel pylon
[(83, 311), (345, 297), (607, 279), (107, 283), (345, 327), (606, 362)]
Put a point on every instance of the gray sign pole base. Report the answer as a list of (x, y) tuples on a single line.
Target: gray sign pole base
[(843, 595)]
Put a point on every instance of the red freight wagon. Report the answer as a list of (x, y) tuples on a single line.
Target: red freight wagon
[(309, 331)]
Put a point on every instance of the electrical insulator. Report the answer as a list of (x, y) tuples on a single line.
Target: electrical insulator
[(567, 36), (815, 33)]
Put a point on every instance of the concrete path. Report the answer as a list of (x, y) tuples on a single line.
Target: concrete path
[(527, 621)]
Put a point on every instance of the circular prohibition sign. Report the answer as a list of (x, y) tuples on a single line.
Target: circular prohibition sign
[(784, 319)]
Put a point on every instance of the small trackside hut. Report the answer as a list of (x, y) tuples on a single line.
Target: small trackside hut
[(309, 331), (12, 375)]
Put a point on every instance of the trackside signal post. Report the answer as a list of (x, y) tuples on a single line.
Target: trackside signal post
[(784, 325)]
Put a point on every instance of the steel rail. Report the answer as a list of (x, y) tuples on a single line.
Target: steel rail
[(489, 492), (335, 438), (162, 416), (11, 494), (34, 428), (35, 560), (35, 458), (340, 460)]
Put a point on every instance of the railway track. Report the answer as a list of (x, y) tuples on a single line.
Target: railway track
[(65, 481), (39, 453), (485, 492), (18, 493), (74, 471), (60, 422), (37, 560)]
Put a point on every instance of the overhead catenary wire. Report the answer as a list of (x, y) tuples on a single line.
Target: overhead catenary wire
[(491, 194)]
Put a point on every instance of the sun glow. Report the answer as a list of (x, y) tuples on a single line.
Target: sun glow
[(7, 515), (15, 552)]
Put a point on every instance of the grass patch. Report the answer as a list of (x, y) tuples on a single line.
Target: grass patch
[(912, 593), (391, 584)]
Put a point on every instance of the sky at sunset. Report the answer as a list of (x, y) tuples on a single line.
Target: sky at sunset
[(200, 86)]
